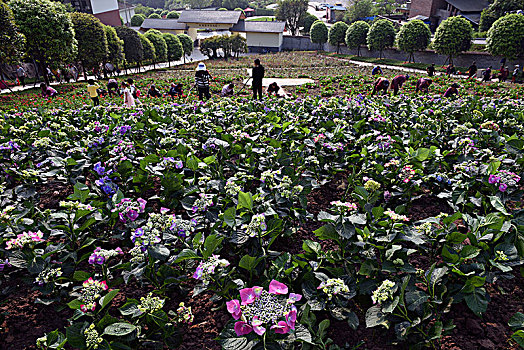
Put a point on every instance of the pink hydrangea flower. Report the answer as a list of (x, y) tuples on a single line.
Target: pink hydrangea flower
[(257, 326), (233, 307), (247, 295), (242, 328), (276, 287), (281, 327)]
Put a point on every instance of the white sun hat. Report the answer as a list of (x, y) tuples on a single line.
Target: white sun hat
[(201, 66)]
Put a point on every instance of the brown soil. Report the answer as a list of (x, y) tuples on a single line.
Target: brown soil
[(52, 193)]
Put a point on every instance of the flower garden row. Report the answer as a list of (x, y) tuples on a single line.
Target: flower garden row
[(181, 200)]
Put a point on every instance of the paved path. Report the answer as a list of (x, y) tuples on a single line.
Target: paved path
[(195, 57), (283, 81)]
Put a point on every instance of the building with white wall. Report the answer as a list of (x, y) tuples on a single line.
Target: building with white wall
[(105, 10)]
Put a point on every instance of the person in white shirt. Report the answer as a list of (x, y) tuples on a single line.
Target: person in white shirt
[(228, 90), (20, 72)]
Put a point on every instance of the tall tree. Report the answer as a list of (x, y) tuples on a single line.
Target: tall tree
[(11, 41), (506, 36), (381, 35), (453, 36), (115, 46), (175, 51), (187, 44), (497, 9), (356, 35), (307, 22), (318, 33), (337, 34), (159, 43), (413, 36), (359, 9), (133, 49), (238, 44), (47, 27), (91, 37), (292, 12)]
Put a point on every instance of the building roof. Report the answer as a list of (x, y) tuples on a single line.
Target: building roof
[(420, 17), (469, 5), (167, 24), (337, 8), (217, 17), (472, 17), (259, 27)]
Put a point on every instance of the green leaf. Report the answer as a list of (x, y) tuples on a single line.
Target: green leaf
[(326, 232), (75, 336), (377, 212), (159, 252), (517, 321), (119, 329), (477, 301), (302, 333), (74, 304), (229, 340), (322, 328), (415, 298), (210, 244), (421, 154), (245, 200), (130, 309), (497, 204), (518, 337), (229, 216), (248, 262), (106, 299), (375, 317), (186, 254), (469, 252), (80, 192)]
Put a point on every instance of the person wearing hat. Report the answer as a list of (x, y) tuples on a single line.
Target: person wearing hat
[(452, 90), (397, 82), (258, 77), (515, 74), (202, 78), (423, 85)]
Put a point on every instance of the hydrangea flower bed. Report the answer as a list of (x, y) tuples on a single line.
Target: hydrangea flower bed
[(120, 219)]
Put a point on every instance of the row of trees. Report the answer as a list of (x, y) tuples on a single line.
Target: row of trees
[(453, 36), (44, 31), (231, 45)]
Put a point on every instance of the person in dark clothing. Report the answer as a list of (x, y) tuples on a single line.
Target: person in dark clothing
[(376, 70), (472, 70), (202, 78), (504, 74), (450, 69), (397, 83), (153, 92), (452, 90), (423, 85), (175, 90), (381, 84), (273, 88), (431, 70), (258, 76), (20, 73), (47, 91), (487, 74)]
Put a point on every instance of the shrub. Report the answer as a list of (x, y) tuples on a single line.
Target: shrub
[(318, 33), (155, 16), (506, 36), (137, 20), (173, 14)]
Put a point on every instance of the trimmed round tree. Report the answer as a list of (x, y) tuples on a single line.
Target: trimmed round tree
[(381, 35), (115, 46), (173, 14), (413, 36), (506, 36), (452, 37), (149, 48), (187, 44), (91, 37), (48, 30), (307, 22), (175, 51), (156, 38), (137, 20), (318, 33), (337, 34), (133, 49), (356, 35), (155, 16)]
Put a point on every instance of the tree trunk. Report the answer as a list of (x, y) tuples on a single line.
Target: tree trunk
[(84, 70), (44, 71)]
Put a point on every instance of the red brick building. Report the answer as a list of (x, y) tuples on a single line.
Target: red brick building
[(105, 10), (438, 10)]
